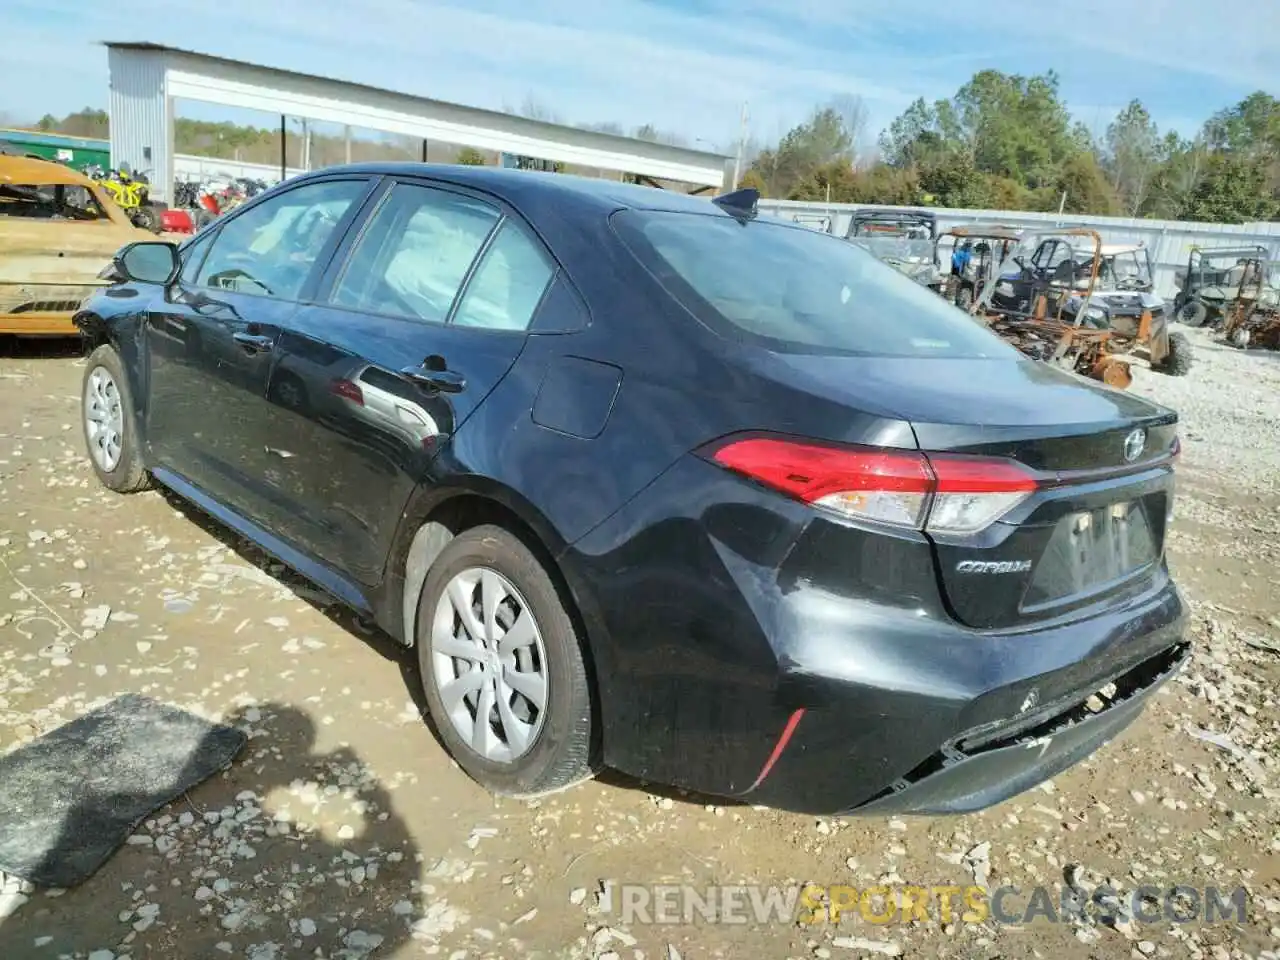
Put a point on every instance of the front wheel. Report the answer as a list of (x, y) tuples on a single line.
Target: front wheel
[(110, 432), (503, 668), (964, 299), (1193, 313)]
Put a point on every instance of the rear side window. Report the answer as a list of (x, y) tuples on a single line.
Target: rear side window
[(795, 290), (508, 285), (415, 253)]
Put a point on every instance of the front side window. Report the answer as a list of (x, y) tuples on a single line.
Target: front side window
[(271, 249), (790, 289), (193, 255), (508, 285), (415, 253)]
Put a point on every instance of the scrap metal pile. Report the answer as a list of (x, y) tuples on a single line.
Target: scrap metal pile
[(1065, 298)]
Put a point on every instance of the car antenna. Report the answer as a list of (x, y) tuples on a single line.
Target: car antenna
[(741, 204)]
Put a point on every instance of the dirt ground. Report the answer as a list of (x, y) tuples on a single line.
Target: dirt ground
[(343, 829)]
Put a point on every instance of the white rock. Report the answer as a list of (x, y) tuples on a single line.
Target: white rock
[(578, 895), (345, 832), (102, 955), (203, 893), (42, 941), (95, 618), (886, 948), (307, 927)]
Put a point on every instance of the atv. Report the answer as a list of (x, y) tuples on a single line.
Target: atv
[(1210, 285), (1254, 316), (1093, 303), (977, 249), (904, 239)]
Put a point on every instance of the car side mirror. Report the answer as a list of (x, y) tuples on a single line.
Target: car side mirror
[(149, 261)]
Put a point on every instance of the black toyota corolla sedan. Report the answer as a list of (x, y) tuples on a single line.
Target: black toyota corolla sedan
[(653, 484)]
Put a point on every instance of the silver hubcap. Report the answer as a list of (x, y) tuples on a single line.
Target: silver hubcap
[(103, 419), (490, 664)]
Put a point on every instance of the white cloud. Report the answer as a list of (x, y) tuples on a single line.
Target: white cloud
[(637, 61)]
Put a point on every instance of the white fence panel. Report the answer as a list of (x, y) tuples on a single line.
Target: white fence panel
[(1170, 241)]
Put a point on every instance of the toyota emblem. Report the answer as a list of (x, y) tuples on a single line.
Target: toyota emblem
[(1134, 444)]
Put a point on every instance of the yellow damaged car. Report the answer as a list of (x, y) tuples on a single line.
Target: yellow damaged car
[(58, 229)]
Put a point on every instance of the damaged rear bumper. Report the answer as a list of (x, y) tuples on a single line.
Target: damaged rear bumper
[(984, 767), (920, 718)]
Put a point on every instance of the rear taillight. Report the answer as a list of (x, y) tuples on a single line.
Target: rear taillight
[(347, 390), (940, 493)]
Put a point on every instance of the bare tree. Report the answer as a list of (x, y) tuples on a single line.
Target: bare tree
[(855, 116)]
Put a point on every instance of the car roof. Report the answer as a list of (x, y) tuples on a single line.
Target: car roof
[(608, 195), (33, 172)]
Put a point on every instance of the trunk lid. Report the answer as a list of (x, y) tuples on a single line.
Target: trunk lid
[(1095, 527)]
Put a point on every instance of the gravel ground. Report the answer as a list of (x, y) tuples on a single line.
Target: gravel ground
[(343, 830)]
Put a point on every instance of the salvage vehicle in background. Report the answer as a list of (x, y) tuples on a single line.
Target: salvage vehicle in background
[(904, 239), (1098, 301), (1210, 285), (58, 229), (977, 252), (654, 484), (1254, 315)]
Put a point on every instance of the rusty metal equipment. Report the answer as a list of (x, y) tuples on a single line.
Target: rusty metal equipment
[(1049, 323), (1253, 317)]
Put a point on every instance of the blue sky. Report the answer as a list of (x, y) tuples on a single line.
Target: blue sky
[(683, 65)]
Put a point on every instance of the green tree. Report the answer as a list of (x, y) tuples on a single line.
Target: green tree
[(1235, 188), (1133, 149), (1085, 185), (470, 157)]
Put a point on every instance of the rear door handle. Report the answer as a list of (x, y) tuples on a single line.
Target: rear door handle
[(446, 381), (255, 342)]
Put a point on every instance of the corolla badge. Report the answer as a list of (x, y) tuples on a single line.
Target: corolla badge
[(993, 566), (1134, 444)]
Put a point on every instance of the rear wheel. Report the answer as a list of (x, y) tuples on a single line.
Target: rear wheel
[(1178, 361), (1193, 313), (110, 432), (964, 299), (502, 667)]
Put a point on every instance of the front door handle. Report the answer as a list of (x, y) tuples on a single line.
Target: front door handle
[(446, 381), (253, 342)]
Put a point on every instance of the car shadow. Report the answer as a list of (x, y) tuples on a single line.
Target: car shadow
[(333, 609), (390, 649), (287, 852)]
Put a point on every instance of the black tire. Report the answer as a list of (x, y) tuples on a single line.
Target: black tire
[(1178, 361), (148, 218), (562, 751), (964, 299), (1193, 313), (129, 475)]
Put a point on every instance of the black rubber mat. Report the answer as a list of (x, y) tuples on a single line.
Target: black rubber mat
[(71, 797)]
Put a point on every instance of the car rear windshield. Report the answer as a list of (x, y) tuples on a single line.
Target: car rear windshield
[(795, 290)]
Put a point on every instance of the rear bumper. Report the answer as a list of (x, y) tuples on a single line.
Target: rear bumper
[(963, 780), (730, 665), (937, 722)]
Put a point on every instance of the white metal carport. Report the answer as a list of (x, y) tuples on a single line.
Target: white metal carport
[(146, 77)]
